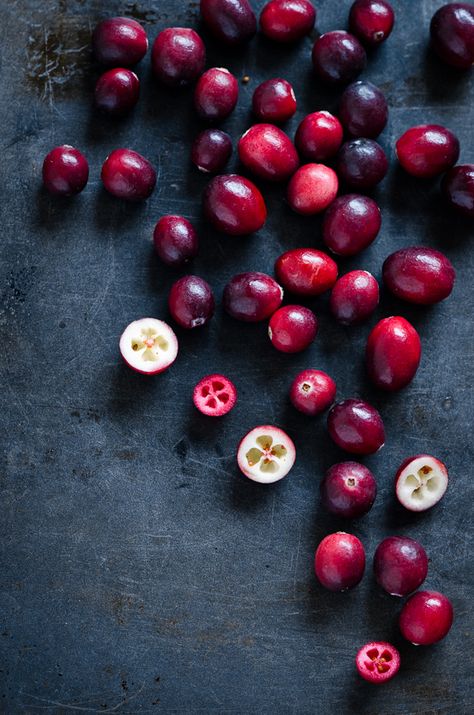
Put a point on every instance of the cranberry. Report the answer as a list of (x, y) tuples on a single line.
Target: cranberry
[(234, 205), (356, 426), (363, 110), (458, 187), (292, 328), (266, 454), (176, 241), (420, 482), (216, 94), (268, 152), (287, 20), (378, 661), (306, 271), (312, 392), (211, 150), (371, 20), (178, 56), (65, 171), (351, 223), (148, 346), (393, 353), (191, 302), (452, 34), (319, 136), (274, 101), (128, 175), (400, 565), (338, 57), (119, 42), (348, 490), (214, 395), (427, 150), (312, 188), (117, 91), (361, 163), (354, 297), (339, 561), (252, 297), (230, 21), (426, 617), (419, 275)]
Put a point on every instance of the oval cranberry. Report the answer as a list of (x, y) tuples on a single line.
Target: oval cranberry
[(268, 152), (176, 241), (65, 171), (427, 150), (306, 271), (287, 20), (371, 21), (363, 110), (117, 91), (452, 34), (119, 42), (312, 188), (230, 21), (348, 490), (211, 150), (354, 297), (393, 353), (400, 565), (274, 101), (128, 175), (356, 427), (338, 57), (319, 136), (458, 188), (419, 275), (426, 617), (191, 302), (378, 662), (234, 205), (216, 94), (252, 296), (339, 561), (351, 223), (292, 328), (361, 163), (178, 56), (312, 392)]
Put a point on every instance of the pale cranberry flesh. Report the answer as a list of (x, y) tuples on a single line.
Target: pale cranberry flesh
[(65, 171), (252, 296), (306, 271), (292, 328), (127, 175), (216, 94), (211, 150), (427, 150), (361, 163), (363, 110), (312, 188), (400, 565), (175, 240), (356, 427), (234, 205), (319, 136), (178, 56), (119, 42), (232, 22), (274, 101), (371, 21), (351, 223), (312, 392), (339, 561), (268, 152), (191, 302), (419, 275), (287, 20), (348, 490), (354, 297), (452, 34), (426, 618), (338, 57), (117, 91), (458, 188), (393, 353), (378, 662)]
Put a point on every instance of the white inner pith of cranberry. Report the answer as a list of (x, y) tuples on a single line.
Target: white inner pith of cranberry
[(266, 454), (215, 392), (376, 660), (422, 483), (149, 345)]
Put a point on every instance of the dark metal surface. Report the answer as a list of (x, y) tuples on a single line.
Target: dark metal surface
[(140, 572)]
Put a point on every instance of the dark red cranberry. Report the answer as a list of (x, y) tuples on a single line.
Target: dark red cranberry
[(211, 150), (287, 20), (458, 188), (426, 617), (274, 101), (65, 171), (230, 21), (119, 42), (400, 565), (176, 241), (312, 392), (361, 163), (427, 150), (117, 91), (338, 57), (191, 302), (419, 275), (292, 328), (252, 297), (312, 188), (356, 426), (178, 56), (306, 271), (378, 662), (319, 136), (371, 21), (234, 205), (339, 561), (354, 297), (452, 34), (363, 110), (351, 223), (216, 94), (393, 353), (268, 152), (348, 490), (128, 175)]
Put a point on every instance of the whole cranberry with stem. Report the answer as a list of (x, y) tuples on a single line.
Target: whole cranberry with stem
[(117, 91), (312, 188), (268, 152), (421, 481), (354, 297), (356, 427), (348, 490), (266, 454), (65, 171), (393, 353), (119, 42), (274, 101), (351, 223), (214, 395), (252, 297), (371, 21), (216, 94), (176, 241), (419, 275), (149, 346), (211, 150), (306, 271), (400, 565), (339, 561), (361, 163), (191, 302), (234, 205), (127, 175), (233, 22), (319, 136), (287, 20), (378, 662), (427, 150), (452, 34), (312, 392), (458, 188), (178, 56), (426, 618), (363, 110), (292, 328), (338, 57)]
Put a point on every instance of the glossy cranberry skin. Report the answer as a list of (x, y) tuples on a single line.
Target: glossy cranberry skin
[(178, 56), (252, 297), (427, 150), (216, 94), (128, 175), (339, 561), (287, 20), (338, 57), (312, 188), (176, 241), (312, 392), (306, 271), (117, 91), (458, 188), (452, 34), (319, 136), (348, 490), (361, 163), (354, 297), (230, 21), (350, 224), (426, 617), (211, 150), (234, 205), (356, 427), (400, 565), (268, 152), (65, 171), (191, 302), (419, 275), (119, 42), (371, 21), (363, 110), (274, 101), (393, 353), (292, 328)]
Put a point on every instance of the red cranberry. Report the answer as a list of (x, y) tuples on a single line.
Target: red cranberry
[(426, 617), (339, 561), (268, 152), (361, 163), (119, 42), (128, 175), (117, 91), (356, 426), (354, 297), (400, 565), (312, 188), (312, 392), (191, 302), (363, 110), (214, 395), (65, 171), (306, 271), (350, 224), (178, 56), (176, 241), (371, 20), (211, 150), (216, 94), (252, 297), (427, 150), (292, 328), (319, 136), (338, 57), (287, 20), (458, 187), (378, 662), (393, 353), (452, 34), (230, 21), (234, 205), (419, 275), (274, 101), (348, 490)]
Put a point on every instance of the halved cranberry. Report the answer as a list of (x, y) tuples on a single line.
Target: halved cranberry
[(393, 353), (312, 188), (319, 136), (117, 91), (361, 163), (354, 297), (419, 275), (252, 296), (268, 152), (178, 56), (312, 392), (214, 395), (128, 175), (292, 328), (176, 241), (211, 150), (119, 41), (338, 57), (216, 94), (420, 482), (356, 426), (371, 20), (400, 565), (427, 150), (363, 110), (426, 617), (230, 21), (234, 205), (266, 454), (274, 101), (351, 223), (65, 171), (378, 661), (458, 188), (339, 561), (306, 271), (149, 346), (348, 490), (287, 20), (452, 34)]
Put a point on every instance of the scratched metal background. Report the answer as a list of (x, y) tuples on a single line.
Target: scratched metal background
[(140, 572)]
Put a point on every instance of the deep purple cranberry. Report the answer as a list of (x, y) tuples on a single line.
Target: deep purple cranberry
[(252, 297), (361, 163), (351, 223), (287, 20), (371, 21), (234, 205), (427, 150), (363, 110), (312, 392), (458, 188), (400, 565), (117, 91), (178, 56), (319, 136), (338, 57), (119, 42), (452, 34), (191, 302), (128, 175), (268, 152), (419, 275), (354, 297), (274, 101), (339, 561), (292, 328), (176, 241), (216, 94), (356, 426), (65, 171), (348, 490), (211, 151), (233, 22)]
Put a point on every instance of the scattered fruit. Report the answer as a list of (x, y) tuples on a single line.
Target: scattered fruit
[(117, 91), (178, 56), (371, 21), (339, 561), (338, 57), (356, 427), (191, 302), (354, 297), (148, 346), (348, 490), (419, 275), (363, 110), (400, 565), (312, 188), (312, 392), (378, 661), (119, 42), (452, 34), (176, 241), (274, 101), (361, 163), (287, 20), (458, 188), (252, 297), (65, 171), (268, 152), (266, 454), (426, 618), (233, 22), (292, 328), (127, 175), (351, 223), (211, 151), (214, 395), (306, 271), (216, 94), (234, 205), (421, 482), (393, 353), (319, 136), (427, 150)]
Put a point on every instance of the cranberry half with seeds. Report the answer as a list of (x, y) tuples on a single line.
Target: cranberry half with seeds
[(393, 353), (426, 618), (287, 20), (427, 150), (339, 561), (292, 328), (419, 275), (266, 454), (356, 427), (65, 171), (338, 57), (268, 152), (363, 110), (230, 21), (361, 163), (421, 482), (211, 150), (319, 136), (127, 175), (458, 188), (378, 662), (252, 297), (214, 395), (452, 34), (306, 271), (348, 490), (312, 188), (216, 94), (176, 241), (312, 392), (178, 56), (274, 101), (191, 302), (351, 223), (117, 91), (371, 21), (354, 297), (400, 565), (149, 346), (119, 42), (234, 205)]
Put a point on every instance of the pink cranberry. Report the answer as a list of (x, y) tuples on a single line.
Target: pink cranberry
[(354, 297), (292, 328), (363, 110), (117, 91), (371, 21), (214, 395), (216, 94), (312, 392), (338, 57), (274, 101), (230, 21), (400, 565), (119, 42), (452, 34), (378, 662), (426, 617), (350, 224), (176, 241), (458, 188), (361, 163), (178, 56), (306, 271), (319, 136), (128, 175), (252, 297), (287, 20), (234, 205), (65, 171), (427, 150), (348, 490), (393, 353), (356, 426), (268, 152), (419, 275), (339, 561), (312, 188), (211, 150), (191, 302)]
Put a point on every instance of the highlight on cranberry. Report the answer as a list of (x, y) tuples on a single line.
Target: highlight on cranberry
[(393, 353), (351, 223), (339, 561), (287, 20), (119, 42), (65, 171), (127, 175), (348, 490), (292, 328), (274, 101), (149, 346), (426, 618), (419, 275), (216, 94), (452, 34), (266, 454), (371, 21), (191, 302), (338, 57), (400, 565), (234, 205), (252, 296), (421, 482), (458, 188), (268, 152), (427, 150), (354, 297), (211, 151), (233, 22), (117, 91), (361, 163), (312, 188), (175, 240), (356, 427), (378, 662), (363, 110), (306, 271), (312, 392), (319, 136), (214, 395), (178, 56)]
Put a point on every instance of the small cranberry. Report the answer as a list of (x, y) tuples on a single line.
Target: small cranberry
[(65, 171), (363, 110), (427, 150), (426, 617), (351, 223), (393, 353), (371, 21), (287, 20), (252, 296), (361, 163), (378, 662), (176, 241), (128, 175), (312, 188), (356, 426), (178, 56), (306, 271), (312, 392), (234, 205), (233, 22), (216, 94), (452, 34), (214, 395), (274, 101), (338, 57), (339, 561), (348, 490), (292, 328), (319, 136), (119, 42), (191, 302), (354, 297), (211, 151), (419, 275), (458, 188), (117, 91), (268, 152), (400, 565)]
